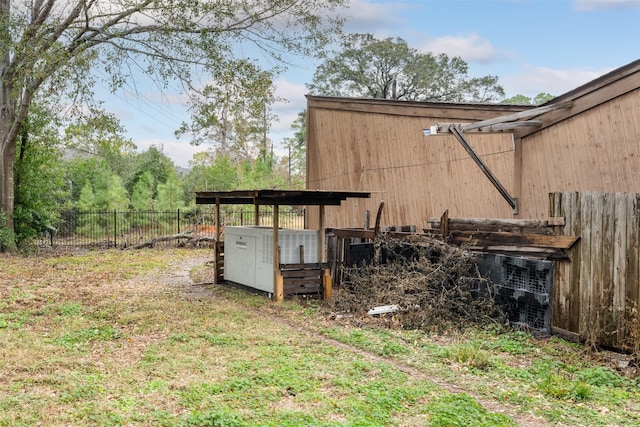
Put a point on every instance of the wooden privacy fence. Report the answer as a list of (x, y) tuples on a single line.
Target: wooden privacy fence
[(596, 294)]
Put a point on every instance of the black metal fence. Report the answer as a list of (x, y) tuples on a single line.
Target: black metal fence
[(119, 229)]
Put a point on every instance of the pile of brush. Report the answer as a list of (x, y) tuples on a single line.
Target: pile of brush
[(419, 283)]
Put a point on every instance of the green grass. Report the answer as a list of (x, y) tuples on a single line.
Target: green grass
[(102, 339)]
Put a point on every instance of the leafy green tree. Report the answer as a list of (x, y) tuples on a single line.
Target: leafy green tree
[(234, 116), (86, 204), (364, 66), (100, 134), (143, 190), (78, 171), (50, 48), (260, 173), (539, 99), (87, 199), (210, 171), (40, 188), (117, 197), (106, 194), (170, 195), (153, 161), (542, 97), (297, 145)]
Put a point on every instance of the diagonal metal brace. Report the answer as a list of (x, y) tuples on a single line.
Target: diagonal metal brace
[(513, 202)]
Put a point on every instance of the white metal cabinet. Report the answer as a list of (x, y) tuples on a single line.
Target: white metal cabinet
[(248, 253)]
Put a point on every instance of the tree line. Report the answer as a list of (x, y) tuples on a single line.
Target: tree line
[(53, 53)]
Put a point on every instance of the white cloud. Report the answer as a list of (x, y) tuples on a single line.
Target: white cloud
[(471, 47), (369, 17), (534, 80), (592, 5), (294, 94)]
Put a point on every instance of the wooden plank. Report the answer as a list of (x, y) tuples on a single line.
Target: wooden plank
[(568, 335), (619, 264), (301, 274), (559, 291), (596, 278), (572, 205), (291, 281), (633, 247), (327, 286), (494, 222), (305, 266), (586, 277), (608, 254), (521, 251), (517, 116), (352, 232), (313, 288), (278, 293), (378, 218), (479, 238), (444, 224), (556, 220)]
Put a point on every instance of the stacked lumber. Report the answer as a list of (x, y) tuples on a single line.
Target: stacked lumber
[(517, 237)]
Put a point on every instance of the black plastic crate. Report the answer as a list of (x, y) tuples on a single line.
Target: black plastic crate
[(523, 286)]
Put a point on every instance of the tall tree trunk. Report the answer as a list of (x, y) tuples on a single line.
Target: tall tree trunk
[(7, 159), (7, 143)]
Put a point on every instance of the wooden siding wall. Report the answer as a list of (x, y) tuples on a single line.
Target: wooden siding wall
[(597, 150), (417, 177), (597, 292)]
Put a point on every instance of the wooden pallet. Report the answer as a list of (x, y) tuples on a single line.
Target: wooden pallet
[(307, 279)]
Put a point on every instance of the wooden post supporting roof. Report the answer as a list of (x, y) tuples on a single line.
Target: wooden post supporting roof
[(278, 284)]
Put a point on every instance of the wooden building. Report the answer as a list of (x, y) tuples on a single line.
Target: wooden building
[(592, 144), (577, 158)]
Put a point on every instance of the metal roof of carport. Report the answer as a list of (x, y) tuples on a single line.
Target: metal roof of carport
[(277, 197)]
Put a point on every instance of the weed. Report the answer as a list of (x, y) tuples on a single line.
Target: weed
[(581, 391), (72, 308), (514, 342), (461, 410), (180, 338), (213, 419), (600, 376), (82, 337), (470, 354)]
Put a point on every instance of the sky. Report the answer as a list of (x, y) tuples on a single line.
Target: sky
[(533, 46)]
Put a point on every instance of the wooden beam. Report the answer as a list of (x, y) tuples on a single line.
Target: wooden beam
[(378, 218), (444, 224), (482, 238), (500, 222), (321, 255), (278, 283), (512, 201), (446, 127), (326, 285), (352, 232)]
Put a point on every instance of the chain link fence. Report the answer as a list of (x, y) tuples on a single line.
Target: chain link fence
[(121, 229)]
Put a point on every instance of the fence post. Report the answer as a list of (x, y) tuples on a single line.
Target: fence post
[(178, 222), (241, 217), (115, 228)]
